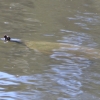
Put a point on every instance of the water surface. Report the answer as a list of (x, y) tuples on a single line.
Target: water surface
[(29, 75)]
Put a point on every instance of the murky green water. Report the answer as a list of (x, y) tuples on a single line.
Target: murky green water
[(27, 74)]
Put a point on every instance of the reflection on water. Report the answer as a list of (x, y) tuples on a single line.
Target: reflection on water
[(77, 38), (26, 74)]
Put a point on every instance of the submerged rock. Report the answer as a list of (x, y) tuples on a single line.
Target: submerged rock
[(48, 47)]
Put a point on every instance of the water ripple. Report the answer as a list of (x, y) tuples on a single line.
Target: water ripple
[(77, 38)]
